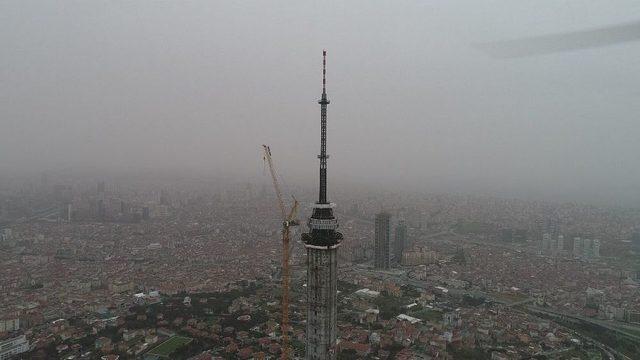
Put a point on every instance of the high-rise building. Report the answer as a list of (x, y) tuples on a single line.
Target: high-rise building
[(322, 242), (548, 231), (553, 246), (101, 210), (546, 243), (595, 248), (577, 247), (560, 244), (381, 257), (5, 234), (587, 249), (553, 227), (400, 241), (146, 213)]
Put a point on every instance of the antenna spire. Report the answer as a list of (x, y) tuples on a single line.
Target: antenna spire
[(322, 198), (324, 72)]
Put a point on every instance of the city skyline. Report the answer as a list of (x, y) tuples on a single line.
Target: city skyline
[(483, 199)]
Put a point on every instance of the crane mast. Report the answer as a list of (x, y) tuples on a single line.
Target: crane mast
[(288, 220)]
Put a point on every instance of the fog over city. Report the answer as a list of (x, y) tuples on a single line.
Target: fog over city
[(416, 100), (260, 180)]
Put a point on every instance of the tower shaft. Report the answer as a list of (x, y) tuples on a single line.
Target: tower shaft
[(322, 310)]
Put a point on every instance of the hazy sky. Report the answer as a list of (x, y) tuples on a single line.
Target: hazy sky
[(414, 102)]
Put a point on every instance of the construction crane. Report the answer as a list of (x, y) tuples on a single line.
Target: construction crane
[(288, 220)]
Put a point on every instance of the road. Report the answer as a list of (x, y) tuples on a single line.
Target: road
[(605, 324)]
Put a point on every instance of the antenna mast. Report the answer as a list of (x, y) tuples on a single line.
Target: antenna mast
[(323, 132)]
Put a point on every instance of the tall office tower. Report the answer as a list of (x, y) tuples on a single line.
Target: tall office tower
[(577, 247), (553, 226), (595, 248), (548, 225), (553, 245), (400, 241), (587, 249), (146, 213), (545, 246), (322, 242), (381, 259), (101, 210), (539, 229), (560, 244)]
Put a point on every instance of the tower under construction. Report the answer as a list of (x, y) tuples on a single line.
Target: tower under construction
[(322, 242)]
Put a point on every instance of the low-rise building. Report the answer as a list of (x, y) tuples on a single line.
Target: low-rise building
[(13, 346)]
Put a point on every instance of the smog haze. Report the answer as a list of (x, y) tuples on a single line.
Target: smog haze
[(415, 102)]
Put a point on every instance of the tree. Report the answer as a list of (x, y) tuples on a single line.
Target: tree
[(348, 354)]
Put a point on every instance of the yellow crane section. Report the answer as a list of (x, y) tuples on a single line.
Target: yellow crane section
[(288, 220)]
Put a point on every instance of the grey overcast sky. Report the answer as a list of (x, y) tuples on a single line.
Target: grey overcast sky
[(199, 85)]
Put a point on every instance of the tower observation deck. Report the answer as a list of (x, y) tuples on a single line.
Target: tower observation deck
[(322, 242)]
